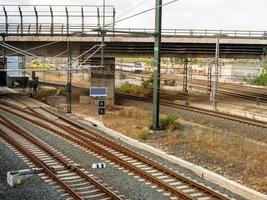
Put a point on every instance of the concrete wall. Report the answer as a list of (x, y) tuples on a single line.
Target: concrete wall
[(245, 70), (236, 71)]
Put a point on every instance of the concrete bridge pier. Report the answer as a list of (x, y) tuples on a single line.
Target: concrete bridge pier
[(104, 76)]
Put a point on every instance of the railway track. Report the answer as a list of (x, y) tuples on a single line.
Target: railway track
[(173, 184), (77, 183), (202, 111), (224, 89)]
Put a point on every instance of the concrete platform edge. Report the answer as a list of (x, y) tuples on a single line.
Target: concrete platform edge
[(236, 188)]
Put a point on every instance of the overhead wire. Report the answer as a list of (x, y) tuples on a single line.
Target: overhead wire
[(104, 25), (36, 47), (140, 13), (91, 55), (132, 8)]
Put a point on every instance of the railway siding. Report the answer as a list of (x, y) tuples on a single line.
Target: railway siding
[(70, 130)]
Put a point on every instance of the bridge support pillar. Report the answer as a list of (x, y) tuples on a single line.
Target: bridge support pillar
[(104, 76)]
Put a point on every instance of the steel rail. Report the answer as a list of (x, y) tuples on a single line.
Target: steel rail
[(39, 163), (88, 144), (223, 89), (221, 115), (83, 137), (49, 171), (110, 143)]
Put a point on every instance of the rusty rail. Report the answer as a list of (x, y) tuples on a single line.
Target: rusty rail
[(82, 139), (202, 111), (49, 171)]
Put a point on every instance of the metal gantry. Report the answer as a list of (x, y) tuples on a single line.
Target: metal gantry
[(209, 83)]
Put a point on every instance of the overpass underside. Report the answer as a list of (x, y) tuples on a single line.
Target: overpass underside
[(146, 49)]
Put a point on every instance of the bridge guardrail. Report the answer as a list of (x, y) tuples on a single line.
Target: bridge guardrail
[(72, 29)]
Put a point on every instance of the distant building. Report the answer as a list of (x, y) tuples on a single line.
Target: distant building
[(237, 70)]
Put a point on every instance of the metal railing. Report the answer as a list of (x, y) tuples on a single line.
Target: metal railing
[(31, 19), (87, 30)]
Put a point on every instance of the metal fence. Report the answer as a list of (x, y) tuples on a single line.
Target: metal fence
[(82, 20), (63, 20), (89, 29)]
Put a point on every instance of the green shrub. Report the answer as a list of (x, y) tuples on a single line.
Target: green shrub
[(148, 84), (143, 135), (261, 79), (128, 88), (125, 88), (61, 91), (169, 122)]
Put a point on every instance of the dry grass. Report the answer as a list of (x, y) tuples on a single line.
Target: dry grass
[(235, 156), (227, 154), (170, 140), (128, 120), (131, 112)]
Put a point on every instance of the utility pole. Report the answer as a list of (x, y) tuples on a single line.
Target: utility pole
[(216, 74), (4, 59), (157, 59), (69, 77), (103, 36)]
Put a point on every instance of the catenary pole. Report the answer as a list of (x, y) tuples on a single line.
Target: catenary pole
[(216, 74), (103, 36), (69, 77), (157, 59)]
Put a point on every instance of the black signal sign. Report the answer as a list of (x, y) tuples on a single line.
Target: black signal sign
[(101, 103)]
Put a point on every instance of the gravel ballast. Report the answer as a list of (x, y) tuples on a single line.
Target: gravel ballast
[(121, 181), (32, 188), (179, 169)]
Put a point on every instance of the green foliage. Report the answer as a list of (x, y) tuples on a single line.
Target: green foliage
[(169, 122), (262, 78), (148, 84), (128, 88), (61, 91), (125, 88), (143, 135)]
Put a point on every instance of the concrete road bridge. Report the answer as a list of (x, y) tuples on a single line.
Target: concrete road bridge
[(28, 26), (175, 42), (45, 30)]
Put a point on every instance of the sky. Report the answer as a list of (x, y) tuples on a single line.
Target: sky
[(182, 14)]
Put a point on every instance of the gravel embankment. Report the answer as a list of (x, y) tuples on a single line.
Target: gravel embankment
[(121, 181), (32, 188)]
